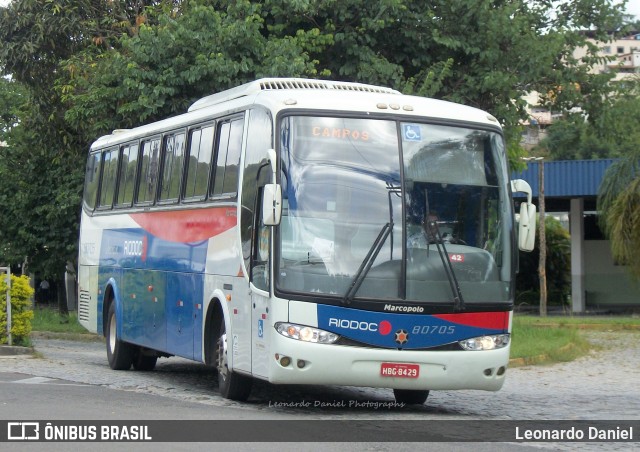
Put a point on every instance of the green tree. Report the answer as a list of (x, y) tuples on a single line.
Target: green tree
[(40, 176), (484, 53), (612, 133), (163, 68)]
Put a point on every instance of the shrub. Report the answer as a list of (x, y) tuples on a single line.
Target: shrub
[(558, 266), (21, 312)]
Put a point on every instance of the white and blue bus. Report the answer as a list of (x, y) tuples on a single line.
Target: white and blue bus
[(306, 232)]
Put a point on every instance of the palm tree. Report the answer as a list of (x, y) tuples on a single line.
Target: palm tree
[(619, 192), (619, 206)]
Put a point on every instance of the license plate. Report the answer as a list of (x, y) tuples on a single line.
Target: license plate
[(399, 370)]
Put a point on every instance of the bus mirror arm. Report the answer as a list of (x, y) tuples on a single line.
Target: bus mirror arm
[(271, 155), (527, 223)]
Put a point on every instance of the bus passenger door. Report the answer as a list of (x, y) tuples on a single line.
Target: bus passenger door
[(261, 323)]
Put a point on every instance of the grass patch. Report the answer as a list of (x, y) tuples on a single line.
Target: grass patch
[(50, 320), (538, 340), (603, 323), (533, 344)]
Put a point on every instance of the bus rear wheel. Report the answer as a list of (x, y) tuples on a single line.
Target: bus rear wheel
[(232, 386), (119, 353), (410, 396)]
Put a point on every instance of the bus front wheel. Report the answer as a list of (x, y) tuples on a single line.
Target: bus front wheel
[(232, 386), (119, 353), (410, 396)]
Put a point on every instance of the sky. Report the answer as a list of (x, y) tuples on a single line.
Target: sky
[(633, 7)]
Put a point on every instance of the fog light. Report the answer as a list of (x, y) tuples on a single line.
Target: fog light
[(488, 372), (301, 364), (285, 361), (501, 371)]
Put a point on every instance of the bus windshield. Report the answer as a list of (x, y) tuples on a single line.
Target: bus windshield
[(379, 209)]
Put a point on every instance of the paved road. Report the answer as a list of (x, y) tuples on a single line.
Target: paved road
[(602, 386)]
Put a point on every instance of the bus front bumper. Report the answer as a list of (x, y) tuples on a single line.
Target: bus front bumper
[(326, 364)]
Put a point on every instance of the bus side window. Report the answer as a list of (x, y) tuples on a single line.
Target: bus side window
[(228, 157), (256, 174), (148, 178), (92, 179), (127, 175), (260, 264), (109, 174), (198, 163), (172, 165)]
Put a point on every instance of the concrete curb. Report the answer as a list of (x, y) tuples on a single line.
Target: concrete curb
[(12, 350), (80, 337)]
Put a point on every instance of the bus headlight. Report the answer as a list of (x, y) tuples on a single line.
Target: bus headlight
[(486, 342), (305, 333)]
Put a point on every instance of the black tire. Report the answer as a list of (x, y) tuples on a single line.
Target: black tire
[(144, 362), (231, 385), (410, 396), (119, 353)]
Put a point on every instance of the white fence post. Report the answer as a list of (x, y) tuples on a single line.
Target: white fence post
[(8, 271)]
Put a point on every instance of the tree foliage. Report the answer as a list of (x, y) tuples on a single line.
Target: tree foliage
[(90, 66), (613, 132)]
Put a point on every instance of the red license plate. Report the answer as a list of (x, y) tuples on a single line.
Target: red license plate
[(399, 370)]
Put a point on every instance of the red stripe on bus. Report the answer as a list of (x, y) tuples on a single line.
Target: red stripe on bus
[(186, 226), (490, 320)]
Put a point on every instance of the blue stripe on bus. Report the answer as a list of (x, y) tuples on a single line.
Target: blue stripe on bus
[(407, 331)]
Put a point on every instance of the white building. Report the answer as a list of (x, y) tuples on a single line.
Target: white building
[(625, 53)]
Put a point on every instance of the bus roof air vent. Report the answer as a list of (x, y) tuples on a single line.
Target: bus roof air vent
[(277, 84)]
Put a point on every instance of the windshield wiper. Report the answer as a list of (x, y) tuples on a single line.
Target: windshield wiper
[(367, 263), (434, 230)]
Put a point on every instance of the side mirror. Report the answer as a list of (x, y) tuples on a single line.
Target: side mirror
[(271, 204), (527, 227), (527, 224)]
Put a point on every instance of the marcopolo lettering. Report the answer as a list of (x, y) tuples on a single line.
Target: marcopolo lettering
[(396, 308), (353, 324)]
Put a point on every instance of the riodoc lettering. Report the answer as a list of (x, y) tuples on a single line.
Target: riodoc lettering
[(133, 248), (394, 308), (353, 324)]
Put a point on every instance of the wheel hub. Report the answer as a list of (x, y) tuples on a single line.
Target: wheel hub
[(223, 368)]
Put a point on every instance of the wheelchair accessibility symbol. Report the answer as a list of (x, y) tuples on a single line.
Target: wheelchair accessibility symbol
[(411, 132)]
